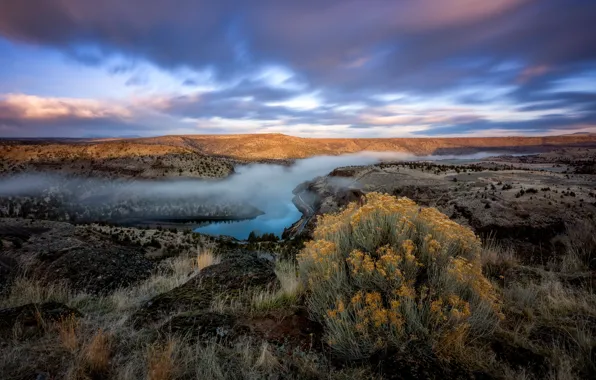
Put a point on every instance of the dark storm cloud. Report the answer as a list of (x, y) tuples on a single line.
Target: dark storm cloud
[(342, 42), (170, 33)]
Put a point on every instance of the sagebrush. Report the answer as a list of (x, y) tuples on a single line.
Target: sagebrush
[(389, 272)]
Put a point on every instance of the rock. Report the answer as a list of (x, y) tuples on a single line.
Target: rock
[(290, 327), (31, 319), (20, 232), (98, 269), (204, 325), (62, 252), (344, 172), (233, 276), (529, 224)]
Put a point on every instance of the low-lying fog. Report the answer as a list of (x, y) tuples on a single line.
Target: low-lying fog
[(265, 186)]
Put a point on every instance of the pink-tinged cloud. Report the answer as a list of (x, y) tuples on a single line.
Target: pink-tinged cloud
[(30, 107)]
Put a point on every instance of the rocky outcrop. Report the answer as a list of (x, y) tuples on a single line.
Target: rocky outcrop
[(289, 327), (96, 269), (233, 276), (62, 252), (528, 222), (320, 196)]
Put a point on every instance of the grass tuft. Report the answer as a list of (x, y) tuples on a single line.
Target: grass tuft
[(68, 331), (97, 352), (205, 258), (160, 361), (25, 291), (286, 295)]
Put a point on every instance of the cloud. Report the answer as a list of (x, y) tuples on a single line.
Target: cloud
[(342, 66), (28, 107), (325, 39), (30, 116)]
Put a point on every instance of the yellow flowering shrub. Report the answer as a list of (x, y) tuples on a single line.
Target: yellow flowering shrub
[(389, 272)]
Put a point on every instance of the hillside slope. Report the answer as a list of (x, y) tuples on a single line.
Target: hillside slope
[(255, 147)]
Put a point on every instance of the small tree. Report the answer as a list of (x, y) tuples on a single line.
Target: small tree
[(252, 237), (389, 272)]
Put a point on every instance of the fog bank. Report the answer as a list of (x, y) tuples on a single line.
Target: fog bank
[(264, 186)]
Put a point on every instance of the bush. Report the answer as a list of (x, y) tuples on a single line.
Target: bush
[(388, 273)]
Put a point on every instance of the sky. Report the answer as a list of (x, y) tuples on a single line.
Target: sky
[(311, 68)]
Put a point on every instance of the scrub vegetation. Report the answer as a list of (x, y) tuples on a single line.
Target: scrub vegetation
[(385, 289)]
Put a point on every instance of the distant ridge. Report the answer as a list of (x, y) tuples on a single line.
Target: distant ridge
[(254, 147), (580, 134)]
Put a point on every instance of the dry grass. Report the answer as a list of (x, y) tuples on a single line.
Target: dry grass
[(562, 316), (205, 258), (288, 293), (581, 246), (266, 360), (83, 349), (223, 303), (171, 273), (97, 352), (494, 256), (550, 298), (287, 274), (68, 331), (160, 361), (25, 290)]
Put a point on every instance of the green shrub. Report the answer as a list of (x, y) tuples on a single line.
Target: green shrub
[(389, 272)]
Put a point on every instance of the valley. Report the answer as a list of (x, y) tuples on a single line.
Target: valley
[(213, 156), (123, 246)]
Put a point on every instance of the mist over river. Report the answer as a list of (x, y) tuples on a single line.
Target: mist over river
[(255, 189), (269, 187)]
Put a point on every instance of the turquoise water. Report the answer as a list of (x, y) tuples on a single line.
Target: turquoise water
[(269, 188), (285, 215)]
